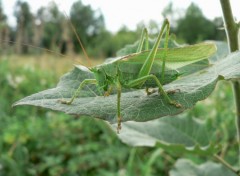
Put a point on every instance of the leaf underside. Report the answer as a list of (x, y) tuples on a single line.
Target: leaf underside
[(135, 104), (185, 167), (177, 135)]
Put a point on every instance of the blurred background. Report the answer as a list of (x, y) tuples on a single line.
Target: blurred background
[(38, 46), (49, 27)]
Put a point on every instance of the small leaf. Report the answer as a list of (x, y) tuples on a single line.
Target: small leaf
[(185, 167), (178, 134)]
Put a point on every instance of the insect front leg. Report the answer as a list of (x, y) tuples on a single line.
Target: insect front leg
[(85, 82), (119, 118)]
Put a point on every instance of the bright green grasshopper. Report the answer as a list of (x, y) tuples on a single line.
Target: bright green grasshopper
[(149, 68)]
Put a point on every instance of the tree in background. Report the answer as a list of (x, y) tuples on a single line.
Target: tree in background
[(24, 31), (38, 27), (66, 46), (194, 27), (89, 24), (219, 29), (4, 30), (51, 21), (171, 14), (50, 28)]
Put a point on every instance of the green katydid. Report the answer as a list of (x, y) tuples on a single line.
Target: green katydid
[(146, 68)]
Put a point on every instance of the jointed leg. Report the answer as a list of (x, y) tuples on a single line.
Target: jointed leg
[(165, 51), (119, 119), (86, 81), (144, 37), (138, 81), (144, 73), (147, 65), (149, 92)]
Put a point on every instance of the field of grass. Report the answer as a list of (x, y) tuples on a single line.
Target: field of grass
[(49, 62)]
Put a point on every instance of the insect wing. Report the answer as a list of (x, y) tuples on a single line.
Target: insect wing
[(177, 57)]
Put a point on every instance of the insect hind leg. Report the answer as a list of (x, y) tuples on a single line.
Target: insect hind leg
[(149, 92), (160, 88), (144, 38)]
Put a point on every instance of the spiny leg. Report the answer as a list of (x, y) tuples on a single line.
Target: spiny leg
[(119, 119), (144, 37), (147, 65), (165, 50), (144, 73), (138, 81), (76, 93)]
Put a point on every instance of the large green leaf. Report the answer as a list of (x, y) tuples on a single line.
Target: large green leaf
[(185, 167), (135, 104), (176, 134)]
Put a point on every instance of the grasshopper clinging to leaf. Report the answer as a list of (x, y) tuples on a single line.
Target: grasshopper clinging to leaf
[(146, 68)]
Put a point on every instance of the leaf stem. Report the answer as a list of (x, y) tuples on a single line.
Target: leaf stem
[(232, 29), (231, 26), (226, 164)]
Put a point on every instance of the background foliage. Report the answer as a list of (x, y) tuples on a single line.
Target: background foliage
[(34, 141), (50, 28)]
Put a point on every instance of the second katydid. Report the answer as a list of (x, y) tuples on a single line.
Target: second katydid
[(145, 68)]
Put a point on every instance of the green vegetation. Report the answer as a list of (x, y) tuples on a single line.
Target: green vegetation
[(50, 28), (35, 141), (39, 142)]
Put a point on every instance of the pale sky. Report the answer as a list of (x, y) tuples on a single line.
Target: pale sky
[(128, 12)]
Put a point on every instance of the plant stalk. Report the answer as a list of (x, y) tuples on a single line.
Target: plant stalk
[(221, 160), (232, 29)]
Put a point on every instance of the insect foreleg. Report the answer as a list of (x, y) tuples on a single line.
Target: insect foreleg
[(86, 81), (119, 118), (141, 80), (144, 37)]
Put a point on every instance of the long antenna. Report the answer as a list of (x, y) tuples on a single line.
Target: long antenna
[(79, 40), (37, 47), (32, 46)]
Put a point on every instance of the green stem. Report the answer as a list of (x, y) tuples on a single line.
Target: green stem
[(221, 160), (232, 29), (231, 26)]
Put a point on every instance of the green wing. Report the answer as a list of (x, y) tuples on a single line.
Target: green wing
[(176, 57)]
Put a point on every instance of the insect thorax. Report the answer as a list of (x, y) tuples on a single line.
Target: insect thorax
[(105, 75)]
